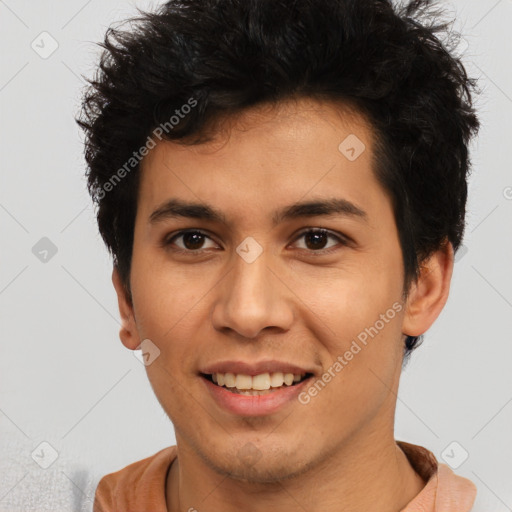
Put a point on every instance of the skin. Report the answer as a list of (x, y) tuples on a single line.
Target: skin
[(338, 452)]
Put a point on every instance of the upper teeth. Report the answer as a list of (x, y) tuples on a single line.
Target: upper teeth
[(258, 382)]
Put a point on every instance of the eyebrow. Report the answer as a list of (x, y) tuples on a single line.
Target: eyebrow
[(176, 208)]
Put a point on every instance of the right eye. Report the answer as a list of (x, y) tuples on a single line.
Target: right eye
[(192, 241)]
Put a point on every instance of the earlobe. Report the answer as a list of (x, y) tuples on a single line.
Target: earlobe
[(428, 295), (128, 333)]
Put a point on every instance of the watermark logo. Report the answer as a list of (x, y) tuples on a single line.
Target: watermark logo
[(455, 455), (45, 455), (44, 250), (148, 352), (150, 143), (249, 250), (352, 147), (45, 45), (249, 454), (343, 360)]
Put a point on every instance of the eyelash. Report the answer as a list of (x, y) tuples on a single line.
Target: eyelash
[(341, 239)]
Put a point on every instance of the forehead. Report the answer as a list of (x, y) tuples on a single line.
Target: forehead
[(268, 155)]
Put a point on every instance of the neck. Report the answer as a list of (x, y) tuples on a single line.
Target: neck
[(366, 470)]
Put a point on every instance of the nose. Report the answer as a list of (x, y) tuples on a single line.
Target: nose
[(252, 297)]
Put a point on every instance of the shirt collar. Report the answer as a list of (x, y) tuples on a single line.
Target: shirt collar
[(444, 491)]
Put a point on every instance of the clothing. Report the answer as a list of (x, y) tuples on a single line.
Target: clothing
[(140, 486)]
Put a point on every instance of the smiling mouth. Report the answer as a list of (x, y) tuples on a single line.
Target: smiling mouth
[(256, 385)]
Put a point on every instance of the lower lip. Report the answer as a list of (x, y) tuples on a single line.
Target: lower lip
[(246, 405)]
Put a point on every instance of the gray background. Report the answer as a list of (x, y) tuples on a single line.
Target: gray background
[(65, 377)]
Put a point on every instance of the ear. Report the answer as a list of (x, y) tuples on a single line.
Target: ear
[(128, 332), (428, 295)]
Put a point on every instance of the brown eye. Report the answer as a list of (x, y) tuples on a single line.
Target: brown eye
[(192, 241), (317, 239)]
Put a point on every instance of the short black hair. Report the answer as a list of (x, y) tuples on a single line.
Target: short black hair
[(223, 56)]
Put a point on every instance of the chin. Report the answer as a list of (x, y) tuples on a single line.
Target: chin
[(262, 473), (259, 466)]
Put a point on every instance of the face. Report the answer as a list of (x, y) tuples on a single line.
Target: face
[(264, 289)]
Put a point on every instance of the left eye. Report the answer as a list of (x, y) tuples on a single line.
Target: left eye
[(316, 239), (193, 241)]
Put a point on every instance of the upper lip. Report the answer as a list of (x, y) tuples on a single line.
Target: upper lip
[(267, 366)]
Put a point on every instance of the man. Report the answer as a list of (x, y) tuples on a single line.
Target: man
[(282, 186)]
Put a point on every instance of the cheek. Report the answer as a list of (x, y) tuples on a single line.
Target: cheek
[(359, 371), (362, 346), (349, 300), (165, 297)]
